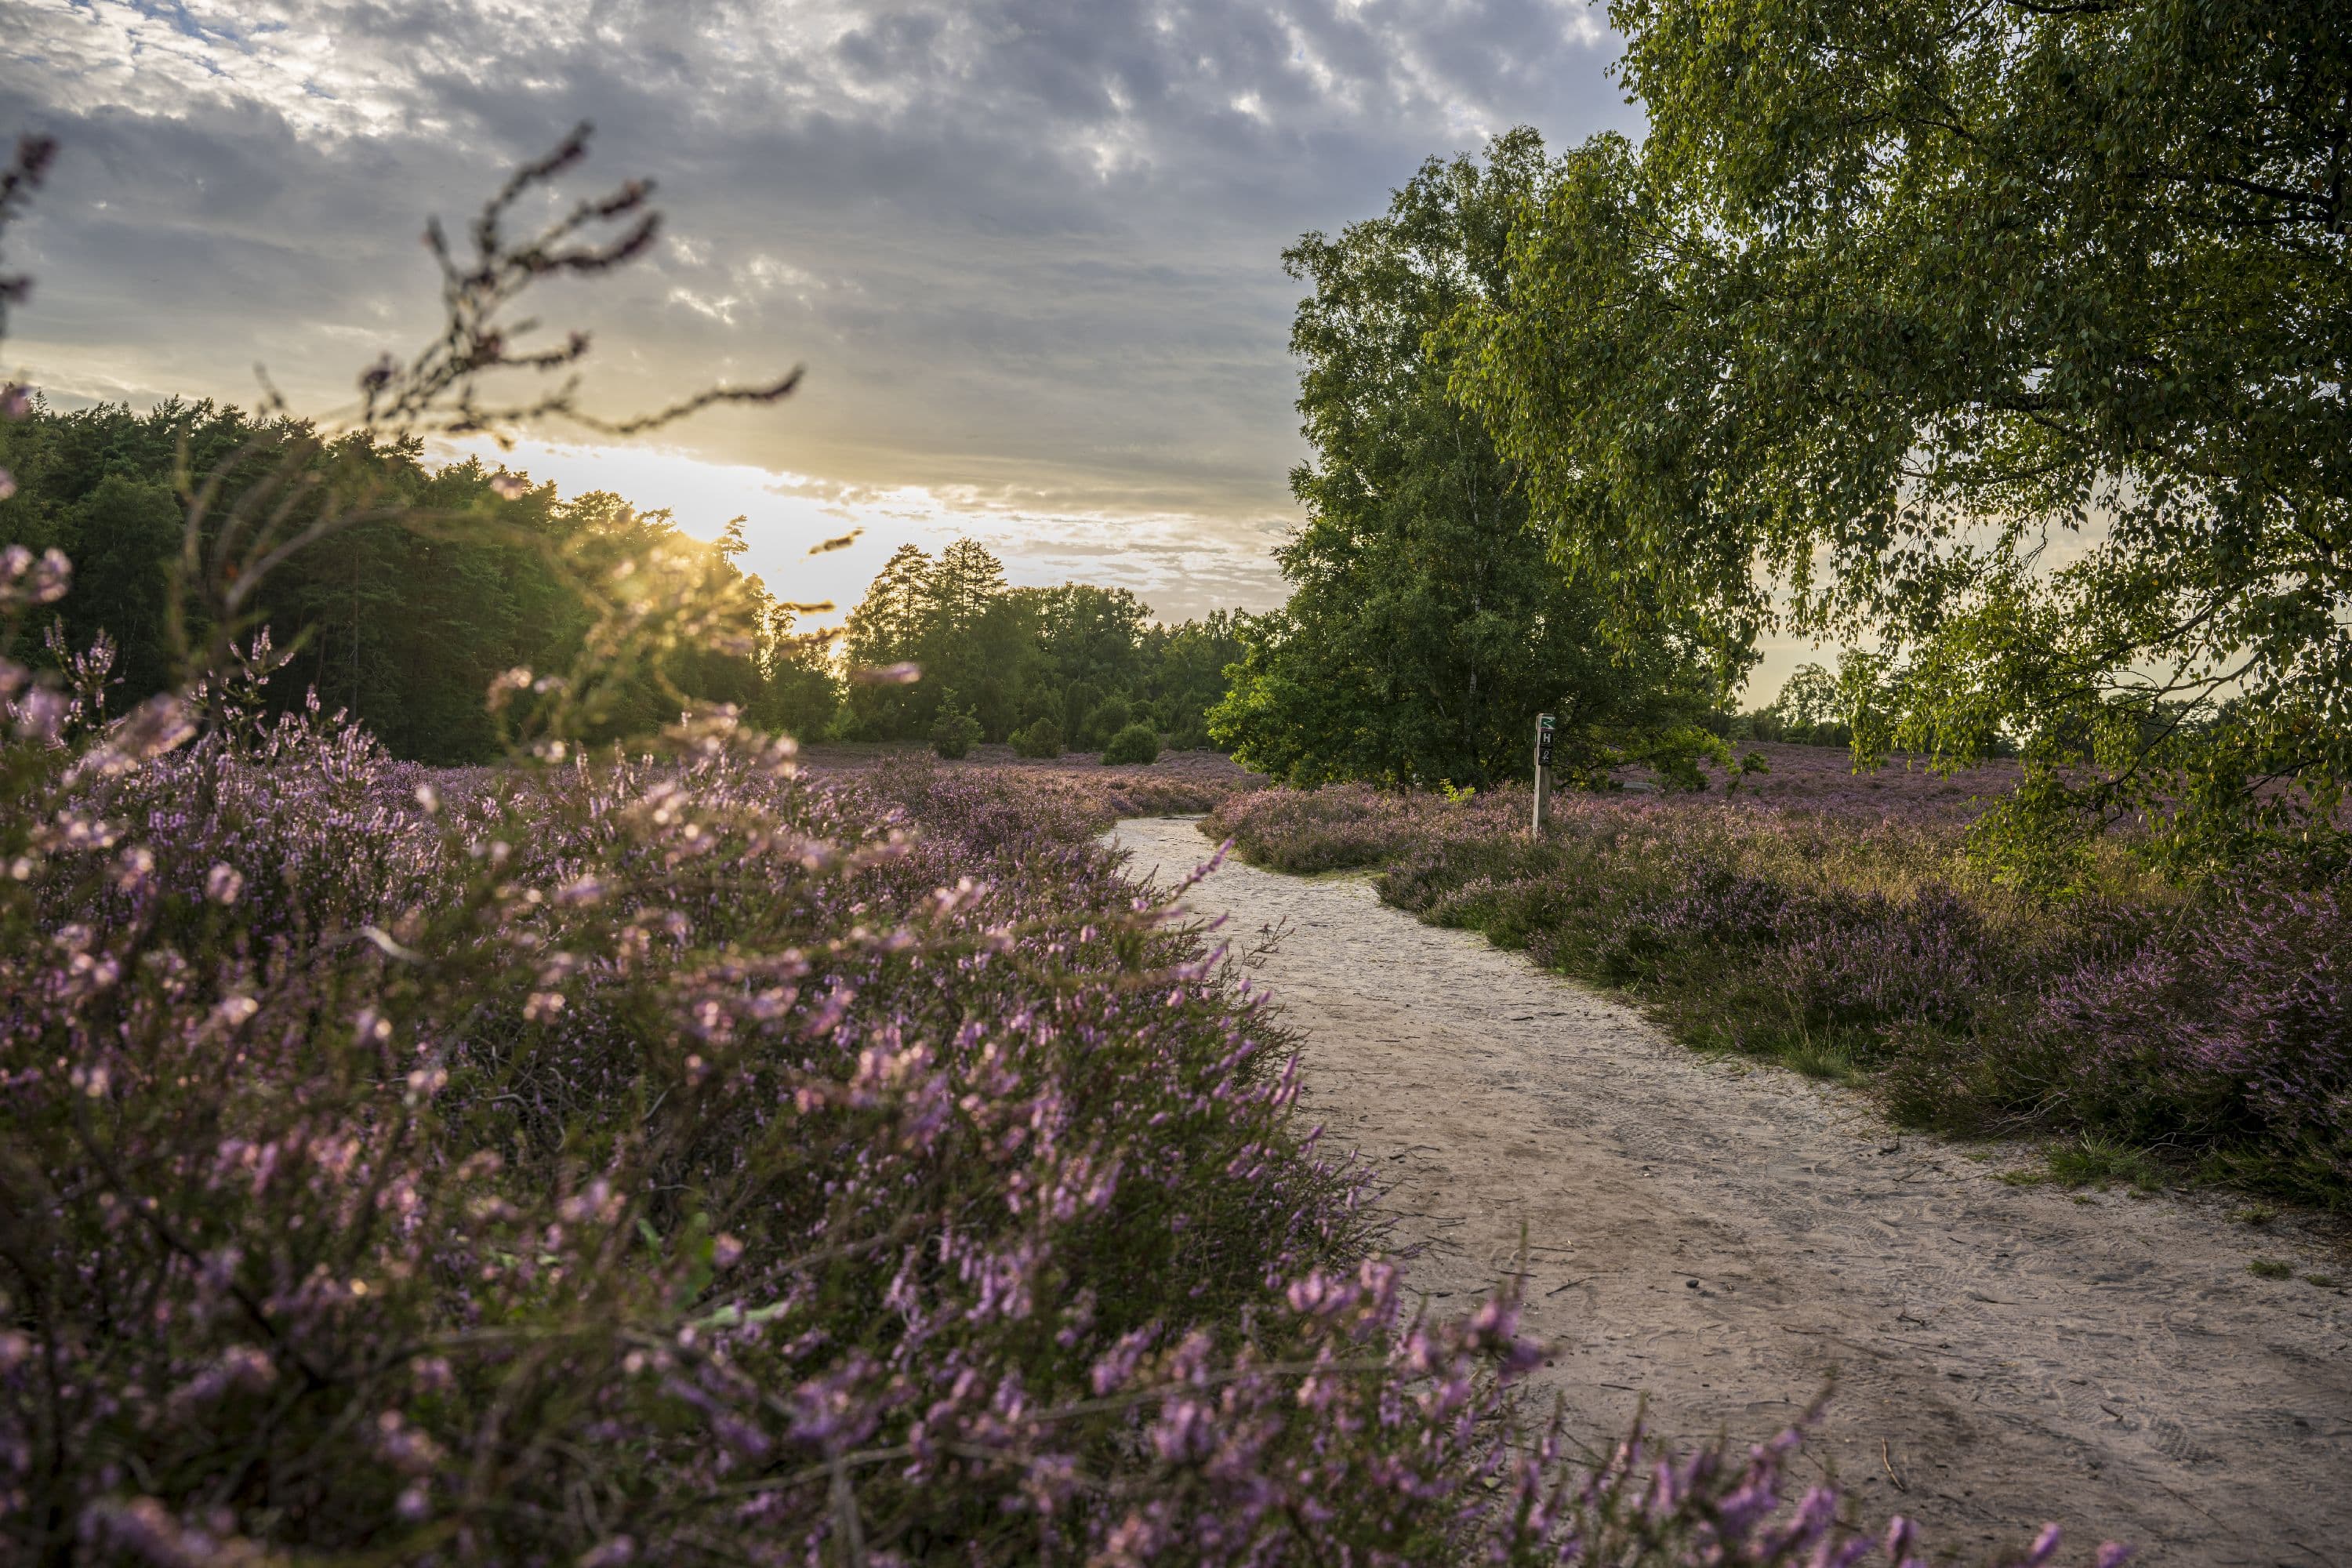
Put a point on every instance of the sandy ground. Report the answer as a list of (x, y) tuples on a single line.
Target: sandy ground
[(1722, 1238)]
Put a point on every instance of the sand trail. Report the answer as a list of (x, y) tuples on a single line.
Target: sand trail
[(1720, 1238)]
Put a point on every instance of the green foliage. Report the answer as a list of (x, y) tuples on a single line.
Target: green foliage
[(1811, 711), (1089, 635), (1107, 718), (1185, 676), (1039, 739), (403, 618), (954, 733), (1087, 660), (1426, 627), (2090, 1159), (1132, 743), (2006, 342)]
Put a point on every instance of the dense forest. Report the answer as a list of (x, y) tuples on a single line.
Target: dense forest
[(405, 620)]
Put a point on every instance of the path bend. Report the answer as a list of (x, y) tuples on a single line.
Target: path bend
[(1719, 1236)]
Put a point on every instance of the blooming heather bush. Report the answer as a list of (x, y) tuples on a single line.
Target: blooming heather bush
[(2207, 1025), (691, 1162), (2231, 1025)]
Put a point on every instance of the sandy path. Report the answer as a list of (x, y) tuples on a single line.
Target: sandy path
[(1721, 1238)]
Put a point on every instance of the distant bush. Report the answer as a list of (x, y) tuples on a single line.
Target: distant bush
[(1107, 718), (1133, 743), (1041, 739), (954, 734)]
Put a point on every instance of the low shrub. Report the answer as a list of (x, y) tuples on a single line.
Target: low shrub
[(730, 1127), (954, 734), (2227, 1027), (1107, 718), (1134, 743), (1039, 740)]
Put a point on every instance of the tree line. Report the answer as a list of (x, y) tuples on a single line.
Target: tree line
[(406, 623), (403, 621), (1046, 668), (1405, 654)]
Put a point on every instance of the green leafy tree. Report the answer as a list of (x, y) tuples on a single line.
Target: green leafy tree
[(1186, 665), (1091, 634), (800, 695), (888, 629), (122, 538), (2006, 341), (1426, 626), (976, 639)]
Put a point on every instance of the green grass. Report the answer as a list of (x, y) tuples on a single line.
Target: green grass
[(1827, 1061), (2090, 1159), (2270, 1268)]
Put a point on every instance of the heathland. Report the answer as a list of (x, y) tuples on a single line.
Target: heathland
[(504, 1058), (654, 1151)]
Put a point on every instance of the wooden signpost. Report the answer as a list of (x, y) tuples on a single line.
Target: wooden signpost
[(1544, 723)]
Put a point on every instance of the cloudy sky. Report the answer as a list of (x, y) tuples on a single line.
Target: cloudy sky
[(1028, 252)]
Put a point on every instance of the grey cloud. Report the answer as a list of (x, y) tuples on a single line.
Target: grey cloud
[(1027, 247)]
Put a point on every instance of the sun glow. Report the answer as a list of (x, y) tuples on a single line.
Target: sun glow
[(1168, 560)]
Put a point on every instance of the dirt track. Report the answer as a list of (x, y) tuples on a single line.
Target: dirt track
[(1721, 1238)]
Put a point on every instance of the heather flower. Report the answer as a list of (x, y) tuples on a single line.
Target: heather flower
[(27, 580)]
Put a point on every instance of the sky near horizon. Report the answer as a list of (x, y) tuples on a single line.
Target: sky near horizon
[(1028, 253)]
